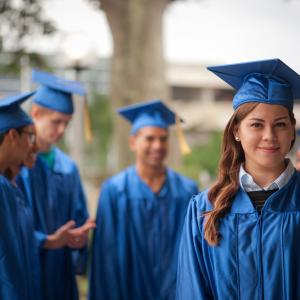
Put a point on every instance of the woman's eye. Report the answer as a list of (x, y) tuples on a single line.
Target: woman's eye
[(280, 124), (256, 125)]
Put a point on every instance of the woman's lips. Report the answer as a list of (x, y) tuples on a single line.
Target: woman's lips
[(269, 149)]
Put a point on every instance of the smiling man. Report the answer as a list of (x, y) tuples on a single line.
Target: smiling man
[(140, 215)]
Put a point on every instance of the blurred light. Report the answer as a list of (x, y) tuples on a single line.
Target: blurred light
[(77, 47)]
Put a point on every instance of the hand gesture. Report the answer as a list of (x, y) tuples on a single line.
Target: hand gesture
[(79, 235), (61, 237)]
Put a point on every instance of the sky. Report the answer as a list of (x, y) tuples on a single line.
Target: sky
[(195, 31)]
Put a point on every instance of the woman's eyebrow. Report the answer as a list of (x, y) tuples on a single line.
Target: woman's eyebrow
[(262, 120)]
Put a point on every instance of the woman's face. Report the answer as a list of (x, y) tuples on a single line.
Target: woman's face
[(266, 134)]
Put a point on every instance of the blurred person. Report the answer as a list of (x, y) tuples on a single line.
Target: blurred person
[(29, 159), (19, 268), (140, 215), (63, 235), (242, 236), (54, 189)]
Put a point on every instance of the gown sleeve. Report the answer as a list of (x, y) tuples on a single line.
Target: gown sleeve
[(23, 182), (192, 277), (40, 238)]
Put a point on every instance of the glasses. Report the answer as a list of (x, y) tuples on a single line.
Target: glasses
[(31, 135)]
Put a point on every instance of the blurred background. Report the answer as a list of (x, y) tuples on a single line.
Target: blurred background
[(128, 51)]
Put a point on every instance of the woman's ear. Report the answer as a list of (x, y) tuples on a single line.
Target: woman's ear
[(236, 133)]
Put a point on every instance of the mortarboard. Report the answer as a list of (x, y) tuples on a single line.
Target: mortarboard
[(11, 114), (155, 114), (55, 93), (268, 81), (152, 113)]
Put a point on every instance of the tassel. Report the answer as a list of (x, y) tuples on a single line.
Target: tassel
[(87, 122), (184, 147)]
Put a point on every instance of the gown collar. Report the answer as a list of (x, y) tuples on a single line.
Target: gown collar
[(242, 203), (248, 184), (164, 188)]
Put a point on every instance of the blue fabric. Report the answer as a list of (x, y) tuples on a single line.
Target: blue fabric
[(56, 197), (154, 119), (258, 256), (55, 93), (11, 114), (151, 113), (264, 89), (16, 118), (135, 243), (19, 267), (266, 81), (54, 100)]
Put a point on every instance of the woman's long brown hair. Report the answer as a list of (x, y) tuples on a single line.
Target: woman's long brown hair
[(226, 186)]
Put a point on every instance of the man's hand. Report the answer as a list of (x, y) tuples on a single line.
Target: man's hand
[(79, 235), (60, 237)]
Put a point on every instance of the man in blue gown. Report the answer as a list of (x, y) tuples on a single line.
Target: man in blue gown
[(54, 190), (140, 215), (19, 268)]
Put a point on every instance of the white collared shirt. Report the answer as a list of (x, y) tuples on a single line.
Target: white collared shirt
[(248, 184)]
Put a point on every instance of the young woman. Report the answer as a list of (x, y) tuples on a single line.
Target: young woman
[(242, 237)]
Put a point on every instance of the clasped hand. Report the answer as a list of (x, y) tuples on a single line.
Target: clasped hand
[(68, 235)]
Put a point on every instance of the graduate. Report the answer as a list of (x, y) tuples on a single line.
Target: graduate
[(241, 238), (140, 215), (54, 190), (19, 268)]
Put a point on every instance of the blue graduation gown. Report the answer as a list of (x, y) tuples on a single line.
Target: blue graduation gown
[(258, 256), (19, 268), (56, 196), (136, 241)]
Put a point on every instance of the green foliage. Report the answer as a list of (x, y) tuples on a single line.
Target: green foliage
[(21, 19), (10, 63), (102, 126), (20, 22), (204, 157)]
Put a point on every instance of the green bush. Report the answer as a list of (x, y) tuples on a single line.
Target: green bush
[(204, 157)]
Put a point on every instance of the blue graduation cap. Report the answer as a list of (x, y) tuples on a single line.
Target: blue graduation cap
[(155, 114), (152, 113), (11, 114), (268, 81), (55, 93)]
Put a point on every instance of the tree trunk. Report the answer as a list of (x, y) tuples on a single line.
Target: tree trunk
[(138, 68)]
